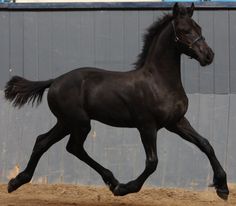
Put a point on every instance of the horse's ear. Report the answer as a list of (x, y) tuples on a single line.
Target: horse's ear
[(175, 9), (190, 10)]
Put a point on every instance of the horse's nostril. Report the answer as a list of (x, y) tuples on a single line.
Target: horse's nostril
[(210, 55)]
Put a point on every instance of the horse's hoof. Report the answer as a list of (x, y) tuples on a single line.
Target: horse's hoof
[(223, 193), (112, 185), (115, 191), (11, 186), (120, 190), (221, 186)]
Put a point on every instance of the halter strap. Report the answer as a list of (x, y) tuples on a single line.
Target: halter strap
[(178, 40), (176, 37)]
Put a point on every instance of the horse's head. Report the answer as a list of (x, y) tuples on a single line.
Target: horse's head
[(188, 35)]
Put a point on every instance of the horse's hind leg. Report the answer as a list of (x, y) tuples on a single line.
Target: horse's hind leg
[(42, 144), (185, 130), (148, 137), (75, 146)]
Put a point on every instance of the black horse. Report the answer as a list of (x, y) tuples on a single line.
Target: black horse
[(148, 98)]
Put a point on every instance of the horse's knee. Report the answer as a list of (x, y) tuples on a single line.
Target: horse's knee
[(76, 142), (77, 151), (152, 163)]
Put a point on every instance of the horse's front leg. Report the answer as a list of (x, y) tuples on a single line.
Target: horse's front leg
[(148, 136), (185, 130)]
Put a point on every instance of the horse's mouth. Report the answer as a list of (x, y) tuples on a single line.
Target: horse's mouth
[(202, 60), (205, 62)]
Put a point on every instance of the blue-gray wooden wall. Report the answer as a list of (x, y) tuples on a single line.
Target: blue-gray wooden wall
[(44, 44)]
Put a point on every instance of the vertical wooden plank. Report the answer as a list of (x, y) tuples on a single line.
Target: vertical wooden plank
[(4, 158), (206, 84), (44, 52), (221, 117), (58, 43), (79, 53), (16, 55), (131, 38), (100, 139), (221, 84), (59, 66), (102, 58), (206, 117), (132, 157), (221, 45), (13, 143), (16, 43), (101, 42), (231, 152), (73, 43), (168, 154), (45, 45), (191, 66), (4, 47), (86, 52), (232, 47), (187, 170), (87, 36), (30, 118), (116, 40), (30, 45), (145, 21)]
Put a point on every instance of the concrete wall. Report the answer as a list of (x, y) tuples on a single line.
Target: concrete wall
[(43, 44)]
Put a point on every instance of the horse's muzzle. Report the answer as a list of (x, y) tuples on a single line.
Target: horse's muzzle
[(206, 57)]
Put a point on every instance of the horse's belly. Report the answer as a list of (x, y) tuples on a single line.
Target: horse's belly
[(111, 115), (114, 121)]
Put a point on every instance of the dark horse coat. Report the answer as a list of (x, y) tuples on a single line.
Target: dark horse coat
[(148, 98)]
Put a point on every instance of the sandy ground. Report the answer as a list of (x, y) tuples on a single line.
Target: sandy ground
[(73, 195)]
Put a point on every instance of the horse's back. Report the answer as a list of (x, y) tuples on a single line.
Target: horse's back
[(95, 93)]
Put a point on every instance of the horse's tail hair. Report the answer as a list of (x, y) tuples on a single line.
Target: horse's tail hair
[(20, 91)]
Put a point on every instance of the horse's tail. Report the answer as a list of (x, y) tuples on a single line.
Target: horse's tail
[(20, 91)]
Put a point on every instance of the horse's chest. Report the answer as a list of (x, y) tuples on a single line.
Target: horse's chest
[(172, 109)]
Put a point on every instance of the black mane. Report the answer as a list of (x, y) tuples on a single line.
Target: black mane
[(152, 31)]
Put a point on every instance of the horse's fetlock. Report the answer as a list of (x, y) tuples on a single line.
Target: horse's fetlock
[(108, 173), (24, 177), (221, 176), (108, 177)]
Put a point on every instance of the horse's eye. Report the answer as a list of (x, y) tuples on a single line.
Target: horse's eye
[(186, 31)]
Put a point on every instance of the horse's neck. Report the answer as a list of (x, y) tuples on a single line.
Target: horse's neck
[(164, 60)]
